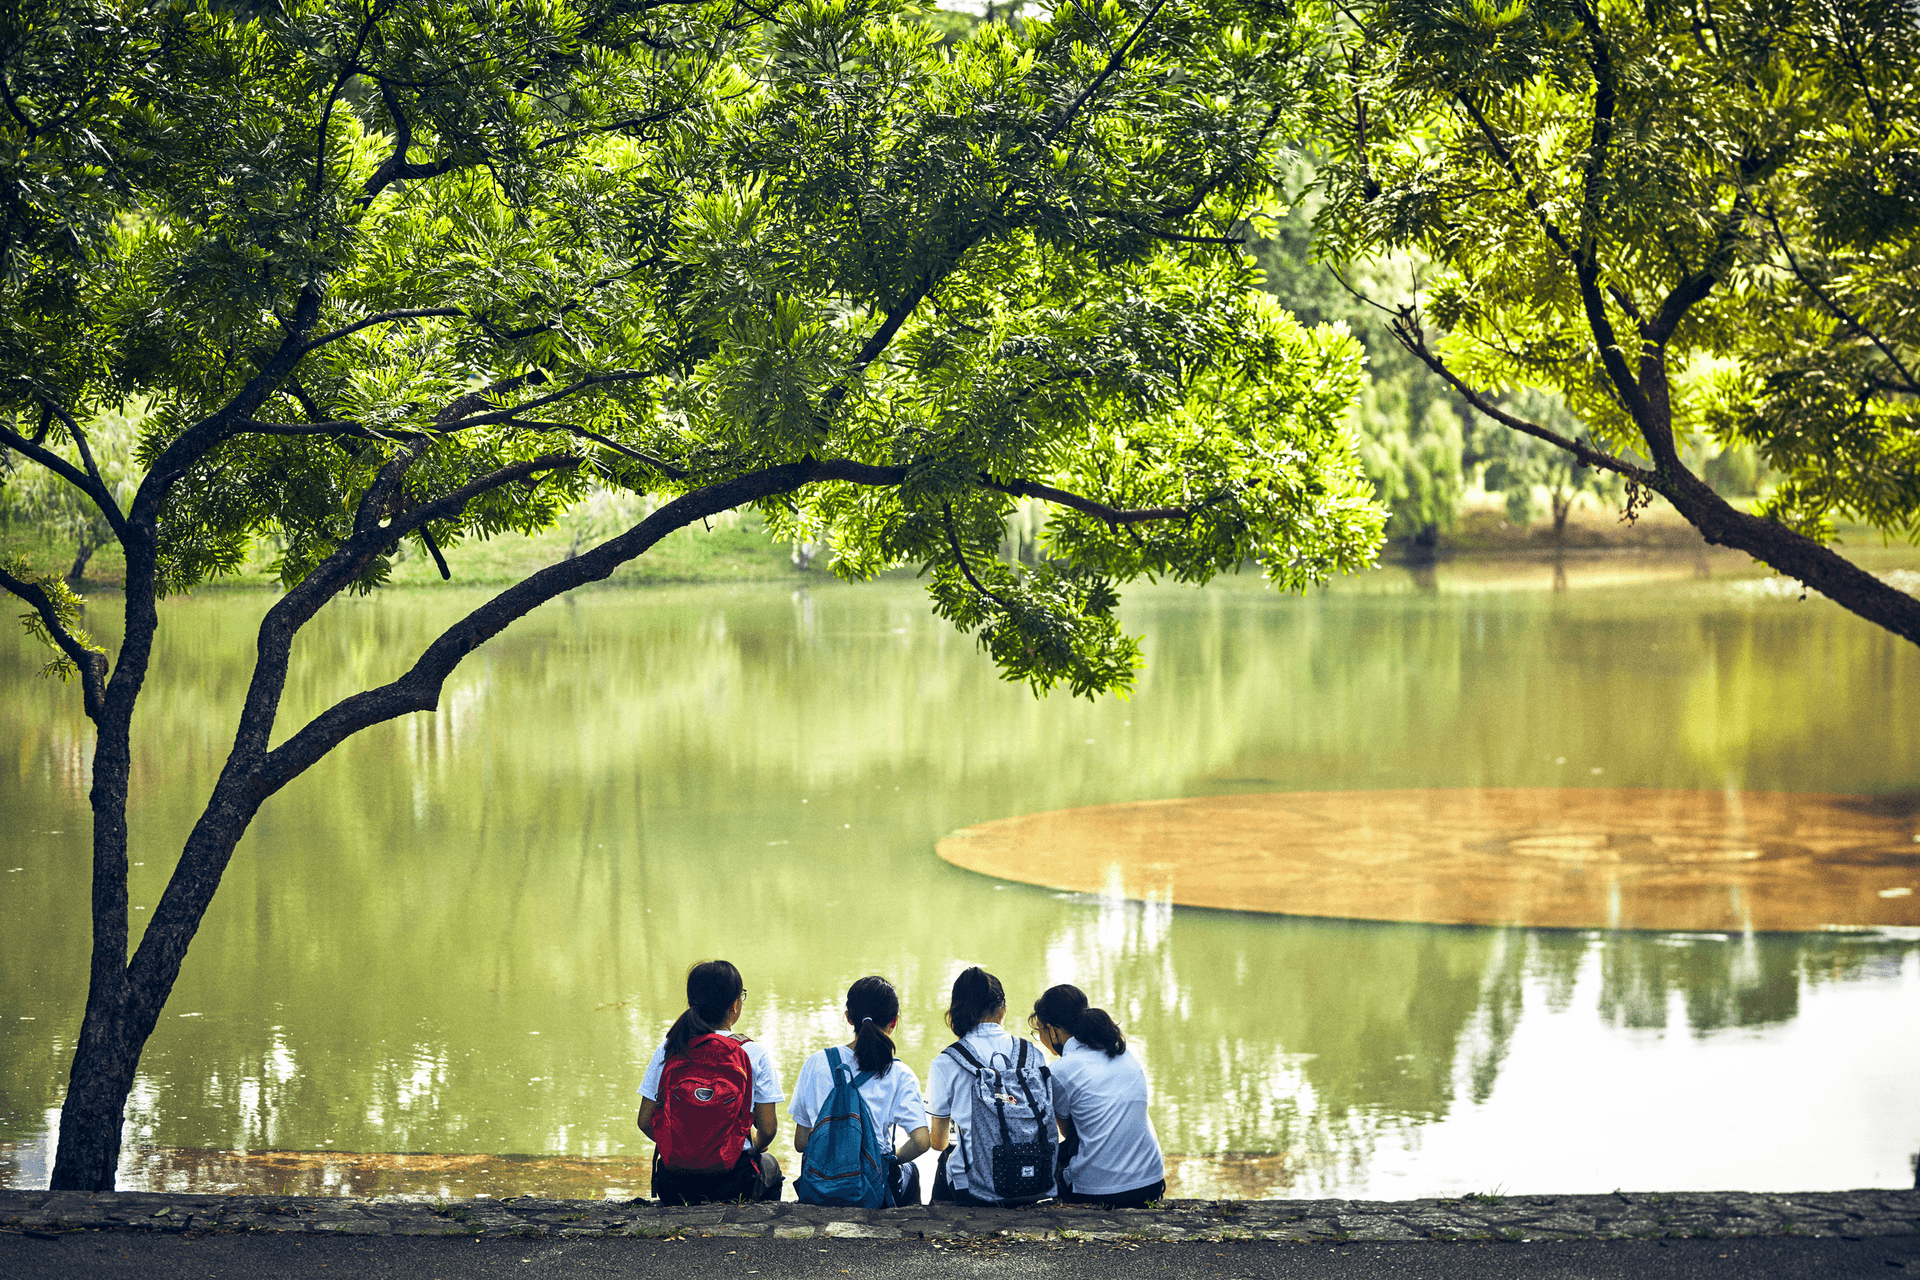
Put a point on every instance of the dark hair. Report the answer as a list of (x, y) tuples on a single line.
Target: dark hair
[(872, 1007), (976, 993), (712, 987), (1065, 1007)]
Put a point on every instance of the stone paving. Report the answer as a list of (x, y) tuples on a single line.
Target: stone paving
[(1622, 1215)]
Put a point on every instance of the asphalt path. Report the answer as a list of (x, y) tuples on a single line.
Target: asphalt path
[(111, 1255)]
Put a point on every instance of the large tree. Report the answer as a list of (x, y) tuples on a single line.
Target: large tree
[(1687, 216), (414, 269)]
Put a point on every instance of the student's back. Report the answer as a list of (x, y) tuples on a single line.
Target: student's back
[(891, 1093), (982, 1044), (1102, 1098), (704, 1092)]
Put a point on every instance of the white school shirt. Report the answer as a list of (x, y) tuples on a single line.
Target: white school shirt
[(949, 1074), (1107, 1099), (766, 1078), (893, 1099)]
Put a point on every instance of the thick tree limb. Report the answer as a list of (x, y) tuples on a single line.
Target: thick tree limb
[(1793, 554), (92, 666)]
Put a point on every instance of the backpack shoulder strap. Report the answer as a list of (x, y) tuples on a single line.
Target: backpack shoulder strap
[(961, 1049)]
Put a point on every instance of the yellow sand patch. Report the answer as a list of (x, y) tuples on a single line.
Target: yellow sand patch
[(1572, 858)]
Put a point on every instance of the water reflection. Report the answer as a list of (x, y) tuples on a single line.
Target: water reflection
[(465, 931)]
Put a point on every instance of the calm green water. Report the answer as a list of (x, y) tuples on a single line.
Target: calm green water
[(465, 932)]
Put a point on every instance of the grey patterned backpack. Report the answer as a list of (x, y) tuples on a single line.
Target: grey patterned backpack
[(1007, 1138)]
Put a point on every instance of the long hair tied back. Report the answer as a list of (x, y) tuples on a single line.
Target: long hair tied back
[(712, 987), (976, 993), (873, 1006), (1065, 1006)]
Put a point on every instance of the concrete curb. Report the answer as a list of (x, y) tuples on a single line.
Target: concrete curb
[(1620, 1216)]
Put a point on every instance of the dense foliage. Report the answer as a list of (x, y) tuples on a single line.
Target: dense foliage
[(656, 246), (1682, 218)]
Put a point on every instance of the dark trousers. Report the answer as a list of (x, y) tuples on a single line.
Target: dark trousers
[(756, 1177), (1135, 1199), (946, 1193)]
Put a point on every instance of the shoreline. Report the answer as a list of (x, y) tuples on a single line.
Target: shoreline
[(1473, 1218)]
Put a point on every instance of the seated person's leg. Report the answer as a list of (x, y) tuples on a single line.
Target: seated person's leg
[(906, 1185), (942, 1189), (767, 1178)]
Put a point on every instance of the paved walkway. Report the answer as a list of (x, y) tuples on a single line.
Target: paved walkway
[(1620, 1216)]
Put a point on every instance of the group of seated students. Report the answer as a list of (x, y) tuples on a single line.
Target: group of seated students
[(1011, 1127)]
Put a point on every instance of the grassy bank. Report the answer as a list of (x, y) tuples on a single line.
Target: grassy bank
[(735, 548)]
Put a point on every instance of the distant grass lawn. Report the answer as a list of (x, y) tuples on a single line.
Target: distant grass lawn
[(736, 549), (108, 568)]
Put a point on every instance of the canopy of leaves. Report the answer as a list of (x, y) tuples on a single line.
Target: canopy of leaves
[(485, 259), (1737, 180)]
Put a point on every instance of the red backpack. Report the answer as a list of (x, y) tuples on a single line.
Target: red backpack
[(706, 1105)]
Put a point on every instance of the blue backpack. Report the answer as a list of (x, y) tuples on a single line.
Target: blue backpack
[(844, 1163)]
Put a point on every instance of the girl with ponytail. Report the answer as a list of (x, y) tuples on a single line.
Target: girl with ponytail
[(974, 1014), (1109, 1153), (704, 1088), (891, 1092)]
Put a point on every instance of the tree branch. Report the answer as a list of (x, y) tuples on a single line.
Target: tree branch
[(1407, 331), (90, 485), (351, 69), (385, 317), (631, 122), (503, 415), (1114, 62), (419, 688), (960, 557), (1912, 386), (91, 665), (1098, 510), (1574, 254)]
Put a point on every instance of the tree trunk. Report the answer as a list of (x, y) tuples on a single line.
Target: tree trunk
[(1562, 507), (104, 1060), (93, 1115), (82, 554)]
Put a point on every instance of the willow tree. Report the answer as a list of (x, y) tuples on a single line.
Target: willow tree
[(1685, 217), (392, 270)]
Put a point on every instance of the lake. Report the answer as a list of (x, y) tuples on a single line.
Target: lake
[(440, 960)]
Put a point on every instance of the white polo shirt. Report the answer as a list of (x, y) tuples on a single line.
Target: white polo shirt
[(948, 1075), (892, 1099), (766, 1078), (1107, 1099)]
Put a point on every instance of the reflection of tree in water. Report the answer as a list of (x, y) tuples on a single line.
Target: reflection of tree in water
[(1312, 1038), (1731, 981)]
